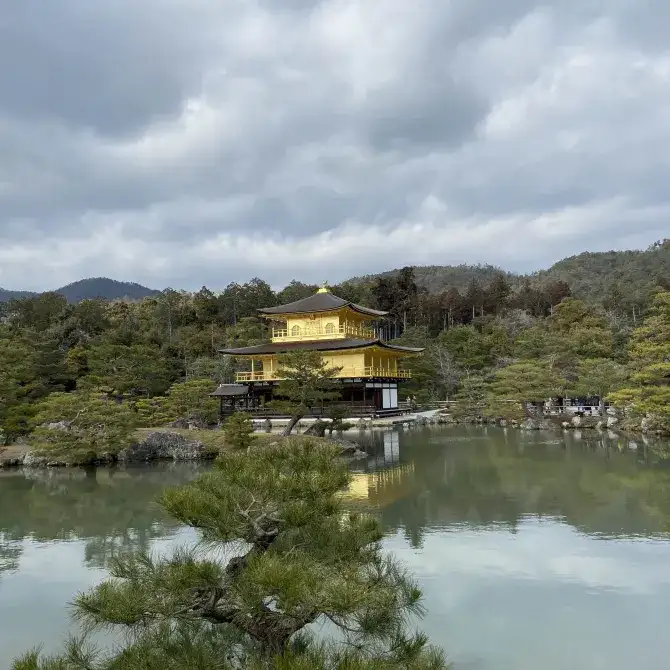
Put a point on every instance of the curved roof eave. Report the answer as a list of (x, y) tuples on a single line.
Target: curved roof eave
[(315, 345), (318, 303)]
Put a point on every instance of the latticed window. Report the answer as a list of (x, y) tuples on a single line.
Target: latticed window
[(295, 331), (330, 328)]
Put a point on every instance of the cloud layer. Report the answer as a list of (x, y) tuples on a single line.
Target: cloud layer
[(186, 142)]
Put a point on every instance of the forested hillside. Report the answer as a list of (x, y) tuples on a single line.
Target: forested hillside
[(608, 278), (618, 279), (614, 275), (6, 295), (435, 278), (101, 287)]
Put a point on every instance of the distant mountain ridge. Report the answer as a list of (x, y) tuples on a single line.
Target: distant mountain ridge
[(589, 275), (94, 287)]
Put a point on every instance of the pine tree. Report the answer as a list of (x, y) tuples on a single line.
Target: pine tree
[(307, 381), (599, 377), (649, 393), (471, 399), (239, 431), (81, 427), (524, 385), (291, 556), (191, 400)]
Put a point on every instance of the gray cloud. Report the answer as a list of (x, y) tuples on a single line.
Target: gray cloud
[(188, 141)]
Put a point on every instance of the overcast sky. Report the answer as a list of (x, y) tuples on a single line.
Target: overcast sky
[(191, 142)]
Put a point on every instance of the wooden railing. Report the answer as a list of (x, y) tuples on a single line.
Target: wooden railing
[(319, 332), (345, 373), (354, 409)]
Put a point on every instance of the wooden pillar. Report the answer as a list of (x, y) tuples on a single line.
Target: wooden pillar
[(252, 369)]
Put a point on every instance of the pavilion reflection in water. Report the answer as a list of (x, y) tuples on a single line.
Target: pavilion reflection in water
[(385, 479)]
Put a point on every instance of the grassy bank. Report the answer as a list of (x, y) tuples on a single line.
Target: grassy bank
[(214, 442)]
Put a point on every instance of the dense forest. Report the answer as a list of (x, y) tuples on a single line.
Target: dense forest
[(495, 346)]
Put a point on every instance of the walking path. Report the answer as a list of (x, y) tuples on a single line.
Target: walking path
[(379, 422)]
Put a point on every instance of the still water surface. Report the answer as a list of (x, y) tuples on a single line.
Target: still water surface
[(533, 550)]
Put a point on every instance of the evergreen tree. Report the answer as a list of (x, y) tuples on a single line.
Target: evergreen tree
[(307, 382), (599, 377), (496, 294), (128, 370), (472, 398), (190, 400), (524, 385), (295, 291), (291, 556), (81, 428), (649, 393), (239, 431)]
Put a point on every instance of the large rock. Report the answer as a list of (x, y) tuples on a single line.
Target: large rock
[(576, 422), (165, 445), (612, 421), (646, 424), (33, 459), (59, 425), (535, 424)]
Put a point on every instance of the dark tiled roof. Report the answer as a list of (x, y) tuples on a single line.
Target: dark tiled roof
[(231, 390), (318, 345), (320, 302)]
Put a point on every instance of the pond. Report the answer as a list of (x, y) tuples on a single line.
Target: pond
[(534, 550)]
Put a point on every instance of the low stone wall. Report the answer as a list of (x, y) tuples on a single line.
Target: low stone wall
[(550, 422)]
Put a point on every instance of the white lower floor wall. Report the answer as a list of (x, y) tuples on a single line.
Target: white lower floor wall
[(387, 394)]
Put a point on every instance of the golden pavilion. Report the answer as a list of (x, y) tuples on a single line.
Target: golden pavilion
[(344, 334)]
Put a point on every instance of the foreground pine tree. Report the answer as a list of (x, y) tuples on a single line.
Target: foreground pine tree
[(279, 552)]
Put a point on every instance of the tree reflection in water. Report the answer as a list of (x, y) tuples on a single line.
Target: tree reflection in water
[(111, 509), (486, 477), (416, 479)]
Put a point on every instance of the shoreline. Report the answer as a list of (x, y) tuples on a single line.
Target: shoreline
[(200, 445), (156, 445)]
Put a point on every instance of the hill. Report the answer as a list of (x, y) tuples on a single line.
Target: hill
[(95, 287), (591, 276), (101, 287), (437, 278), (6, 296)]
